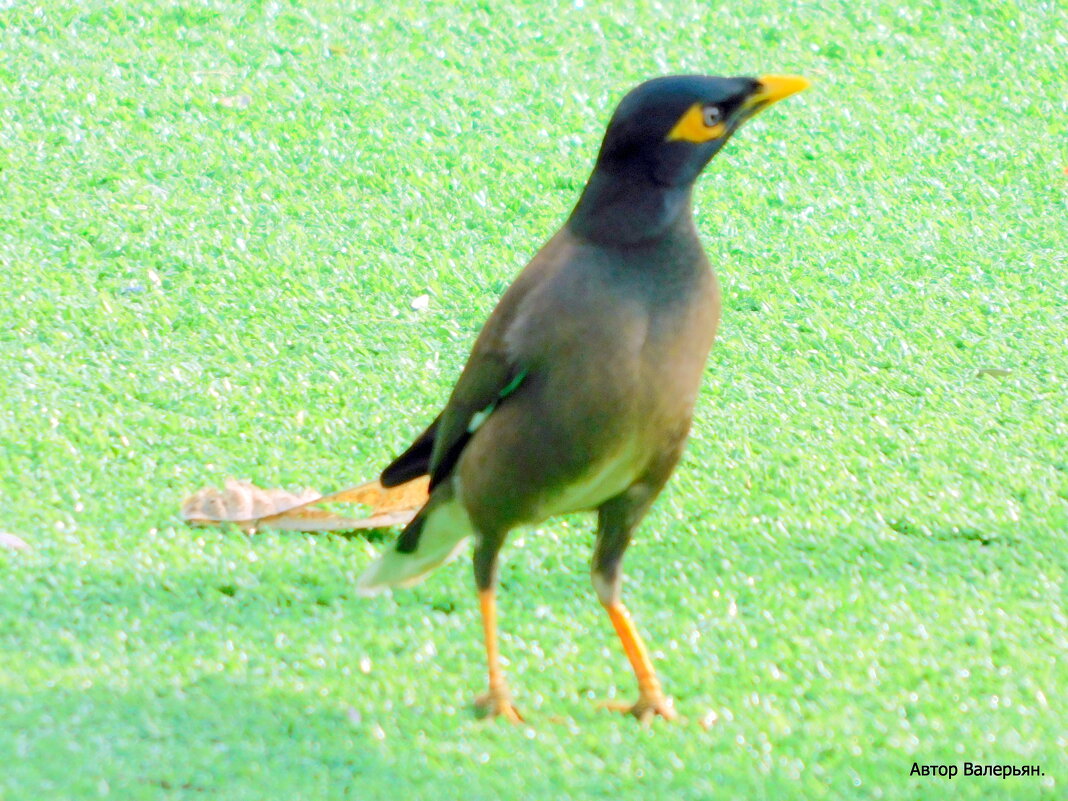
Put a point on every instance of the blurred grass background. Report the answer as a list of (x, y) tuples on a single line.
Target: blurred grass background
[(216, 217)]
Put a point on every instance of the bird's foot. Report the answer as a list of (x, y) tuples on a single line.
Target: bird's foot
[(648, 706), (497, 704)]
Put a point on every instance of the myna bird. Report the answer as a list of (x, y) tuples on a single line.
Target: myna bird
[(579, 392)]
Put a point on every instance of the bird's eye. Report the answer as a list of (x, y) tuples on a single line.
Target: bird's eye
[(701, 123)]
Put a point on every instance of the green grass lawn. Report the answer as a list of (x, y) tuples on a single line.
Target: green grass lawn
[(214, 221)]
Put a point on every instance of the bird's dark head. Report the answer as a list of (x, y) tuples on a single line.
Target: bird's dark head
[(659, 140), (666, 130)]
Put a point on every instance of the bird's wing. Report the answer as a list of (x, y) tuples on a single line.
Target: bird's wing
[(490, 375), (488, 378)]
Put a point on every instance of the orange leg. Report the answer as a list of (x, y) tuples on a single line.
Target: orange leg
[(651, 698), (498, 700)]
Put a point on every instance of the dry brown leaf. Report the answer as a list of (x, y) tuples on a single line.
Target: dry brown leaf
[(410, 496), (250, 507)]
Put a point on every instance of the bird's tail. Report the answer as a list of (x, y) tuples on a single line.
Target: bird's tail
[(435, 536)]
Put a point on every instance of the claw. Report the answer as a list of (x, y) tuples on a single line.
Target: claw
[(497, 704), (646, 708)]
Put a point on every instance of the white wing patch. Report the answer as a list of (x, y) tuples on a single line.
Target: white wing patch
[(478, 418)]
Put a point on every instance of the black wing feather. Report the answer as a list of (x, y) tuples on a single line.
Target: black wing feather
[(414, 462)]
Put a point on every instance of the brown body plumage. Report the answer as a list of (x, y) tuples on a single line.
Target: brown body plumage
[(579, 391)]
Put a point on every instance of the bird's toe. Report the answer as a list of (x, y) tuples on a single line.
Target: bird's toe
[(497, 704), (646, 708)]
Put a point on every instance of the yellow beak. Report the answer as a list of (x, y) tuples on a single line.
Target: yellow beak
[(774, 88)]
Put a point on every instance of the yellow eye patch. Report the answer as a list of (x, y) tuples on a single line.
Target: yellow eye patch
[(691, 127)]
